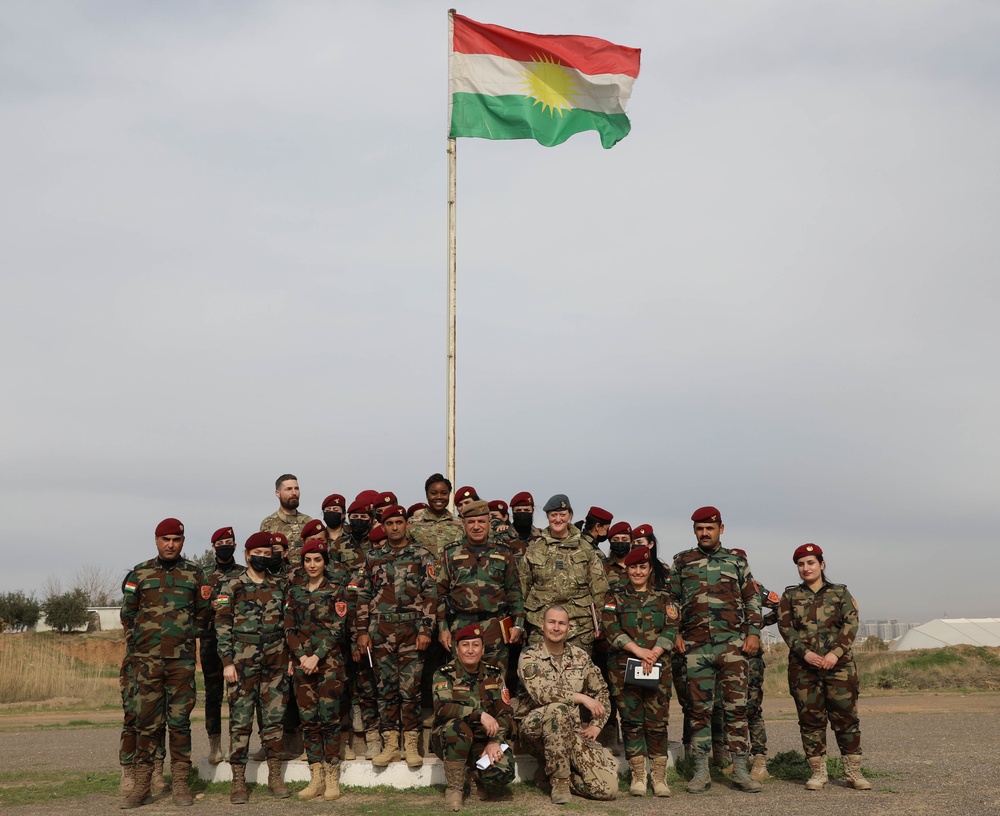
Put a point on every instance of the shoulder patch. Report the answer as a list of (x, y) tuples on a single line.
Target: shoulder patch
[(610, 606), (431, 571), (773, 597), (530, 671), (130, 586), (672, 611), (222, 600)]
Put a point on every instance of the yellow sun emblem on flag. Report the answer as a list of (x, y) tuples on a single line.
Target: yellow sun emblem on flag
[(549, 83)]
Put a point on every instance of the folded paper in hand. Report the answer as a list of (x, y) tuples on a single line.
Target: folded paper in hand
[(484, 761)]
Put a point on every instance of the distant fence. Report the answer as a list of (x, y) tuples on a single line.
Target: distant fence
[(101, 619)]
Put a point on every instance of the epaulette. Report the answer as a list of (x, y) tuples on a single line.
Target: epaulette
[(684, 553), (447, 667), (493, 667), (453, 544), (731, 552), (792, 586)]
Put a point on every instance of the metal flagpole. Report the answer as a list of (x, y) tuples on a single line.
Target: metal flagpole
[(452, 288)]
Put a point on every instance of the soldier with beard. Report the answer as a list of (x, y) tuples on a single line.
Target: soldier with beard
[(287, 519)]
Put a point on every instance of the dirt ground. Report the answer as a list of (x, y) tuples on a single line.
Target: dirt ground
[(931, 753)]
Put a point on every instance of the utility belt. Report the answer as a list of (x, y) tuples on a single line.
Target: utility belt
[(394, 617), (272, 637), (477, 615)]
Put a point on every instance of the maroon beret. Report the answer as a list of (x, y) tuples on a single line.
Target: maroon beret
[(600, 514), (368, 496), (524, 497), (620, 528), (738, 551), (377, 534), (259, 540), (360, 505), (706, 515), (315, 546), (642, 531), (333, 499), (388, 497), (469, 632), (466, 493), (169, 527), (807, 549), (221, 533), (637, 555), (311, 528), (498, 505), (414, 507), (279, 539), (392, 511)]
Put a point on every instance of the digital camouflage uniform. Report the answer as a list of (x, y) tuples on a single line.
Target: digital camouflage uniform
[(567, 572), (162, 612), (460, 698), (719, 609), (316, 624), (208, 646), (291, 527), (434, 533), (397, 601), (550, 722), (249, 622), (361, 682), (648, 619), (825, 621), (478, 583)]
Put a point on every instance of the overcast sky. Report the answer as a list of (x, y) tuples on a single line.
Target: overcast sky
[(224, 257)]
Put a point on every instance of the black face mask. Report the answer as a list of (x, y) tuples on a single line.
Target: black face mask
[(224, 554), (600, 539), (359, 526), (333, 518), (277, 565), (619, 549), (522, 522), (259, 563)]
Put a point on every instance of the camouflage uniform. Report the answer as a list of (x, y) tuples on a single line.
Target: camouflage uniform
[(478, 583), (397, 601), (617, 575), (825, 621), (434, 533), (249, 623), (208, 647), (563, 571), (291, 527), (550, 722), (361, 683), (719, 609), (460, 698), (316, 624), (648, 619)]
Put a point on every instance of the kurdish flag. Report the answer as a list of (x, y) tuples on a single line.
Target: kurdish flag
[(507, 84)]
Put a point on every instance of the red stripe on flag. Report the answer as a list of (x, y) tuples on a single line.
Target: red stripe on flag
[(588, 55)]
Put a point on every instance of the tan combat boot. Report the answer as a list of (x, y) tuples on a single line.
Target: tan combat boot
[(180, 772), (411, 740), (238, 791), (332, 781), (390, 750), (658, 773), (157, 784), (852, 770), (638, 766), (317, 782), (373, 744), (215, 749), (274, 781), (141, 794), (702, 779), (759, 770), (454, 774), (347, 746), (128, 779), (819, 776), (741, 779), (560, 791)]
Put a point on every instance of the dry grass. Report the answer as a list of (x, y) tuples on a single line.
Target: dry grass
[(34, 669)]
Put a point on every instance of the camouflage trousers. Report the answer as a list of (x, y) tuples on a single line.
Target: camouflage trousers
[(755, 716), (826, 695), (552, 734), (165, 695), (265, 688), (130, 712), (678, 668), (398, 664), (723, 664), (211, 672), (320, 696), (463, 740), (644, 712), (360, 691)]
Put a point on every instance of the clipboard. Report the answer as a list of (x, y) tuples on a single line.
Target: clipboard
[(634, 675)]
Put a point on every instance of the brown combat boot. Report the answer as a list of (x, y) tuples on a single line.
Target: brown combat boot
[(759, 770), (390, 750), (411, 741), (454, 774), (128, 779), (373, 744), (852, 770), (638, 766), (347, 746), (180, 772), (215, 749), (332, 781), (317, 782), (819, 776), (274, 781), (478, 786), (658, 773), (141, 794), (238, 791), (560, 791), (157, 783)]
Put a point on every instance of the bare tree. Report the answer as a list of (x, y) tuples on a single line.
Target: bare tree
[(101, 585), (52, 586)]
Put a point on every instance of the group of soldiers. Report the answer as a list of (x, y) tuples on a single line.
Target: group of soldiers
[(355, 621)]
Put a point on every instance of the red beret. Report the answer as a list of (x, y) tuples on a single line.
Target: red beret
[(315, 546), (706, 515), (642, 531), (738, 551), (807, 549), (259, 540), (466, 493), (221, 533), (377, 534), (600, 514), (360, 505), (168, 527), (392, 511), (620, 528), (637, 555), (524, 497), (368, 496), (498, 505), (279, 539), (414, 507), (333, 499), (311, 528), (388, 497), (470, 632)]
